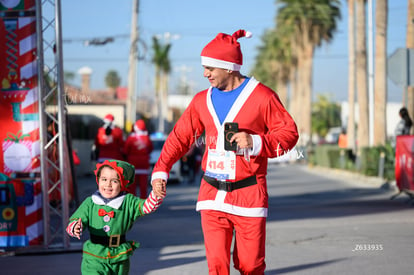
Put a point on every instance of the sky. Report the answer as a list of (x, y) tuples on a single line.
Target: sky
[(191, 25)]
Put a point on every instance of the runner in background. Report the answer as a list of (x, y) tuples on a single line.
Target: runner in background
[(138, 148), (109, 141)]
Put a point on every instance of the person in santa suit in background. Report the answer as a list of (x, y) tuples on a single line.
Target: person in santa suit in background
[(138, 148), (109, 141), (233, 196)]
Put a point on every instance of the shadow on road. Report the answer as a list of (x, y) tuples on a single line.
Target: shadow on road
[(292, 269), (294, 196)]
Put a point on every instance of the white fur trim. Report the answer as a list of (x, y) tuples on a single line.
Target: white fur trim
[(231, 209), (234, 110), (159, 175), (217, 63), (248, 34), (257, 145), (140, 132)]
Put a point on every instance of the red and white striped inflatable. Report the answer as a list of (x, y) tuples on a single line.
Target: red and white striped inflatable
[(19, 134)]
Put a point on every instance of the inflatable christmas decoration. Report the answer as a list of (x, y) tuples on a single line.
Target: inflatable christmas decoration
[(20, 188)]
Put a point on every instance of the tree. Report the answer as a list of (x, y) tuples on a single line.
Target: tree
[(361, 75), (263, 67), (380, 118), (112, 81), (314, 21), (410, 45), (351, 76), (68, 76), (162, 64), (325, 114), (274, 62)]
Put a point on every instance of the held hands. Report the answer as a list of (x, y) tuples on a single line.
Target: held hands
[(159, 187)]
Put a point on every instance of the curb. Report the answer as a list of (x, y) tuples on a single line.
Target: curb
[(361, 180)]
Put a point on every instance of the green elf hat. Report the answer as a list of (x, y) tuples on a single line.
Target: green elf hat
[(125, 170)]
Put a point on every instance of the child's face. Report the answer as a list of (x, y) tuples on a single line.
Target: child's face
[(109, 183)]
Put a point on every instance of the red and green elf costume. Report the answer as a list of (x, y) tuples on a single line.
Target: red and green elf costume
[(107, 251)]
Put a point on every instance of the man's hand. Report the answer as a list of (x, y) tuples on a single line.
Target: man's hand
[(243, 140), (159, 186)]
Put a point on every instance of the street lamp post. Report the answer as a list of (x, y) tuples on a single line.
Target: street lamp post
[(131, 99)]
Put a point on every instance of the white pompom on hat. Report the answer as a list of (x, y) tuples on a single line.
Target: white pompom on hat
[(224, 51)]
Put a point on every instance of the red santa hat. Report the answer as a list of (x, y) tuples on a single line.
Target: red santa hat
[(224, 51), (140, 128), (109, 118), (140, 125)]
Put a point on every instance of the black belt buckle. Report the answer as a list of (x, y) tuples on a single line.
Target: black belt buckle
[(224, 185), (114, 240)]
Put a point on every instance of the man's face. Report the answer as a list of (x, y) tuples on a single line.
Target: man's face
[(219, 78)]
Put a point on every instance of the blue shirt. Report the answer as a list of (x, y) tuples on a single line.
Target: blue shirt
[(222, 101)]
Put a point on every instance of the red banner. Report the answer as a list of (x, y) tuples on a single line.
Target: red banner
[(404, 163)]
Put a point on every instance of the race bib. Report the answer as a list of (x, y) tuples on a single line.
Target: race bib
[(221, 165)]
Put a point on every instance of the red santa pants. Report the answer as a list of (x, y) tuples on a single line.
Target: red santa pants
[(249, 244)]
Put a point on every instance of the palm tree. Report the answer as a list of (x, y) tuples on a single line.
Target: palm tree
[(325, 114), (112, 81), (274, 62), (381, 19), (410, 45), (350, 132), (314, 21), (361, 75), (162, 70), (264, 67)]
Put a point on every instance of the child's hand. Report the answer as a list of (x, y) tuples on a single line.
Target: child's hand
[(77, 230), (74, 229)]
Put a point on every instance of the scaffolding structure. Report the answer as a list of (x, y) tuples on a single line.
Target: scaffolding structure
[(51, 93)]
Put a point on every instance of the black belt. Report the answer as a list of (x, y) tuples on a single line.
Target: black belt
[(111, 241), (230, 186)]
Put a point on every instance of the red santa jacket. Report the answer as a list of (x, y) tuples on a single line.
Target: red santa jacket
[(138, 148), (259, 112), (110, 147)]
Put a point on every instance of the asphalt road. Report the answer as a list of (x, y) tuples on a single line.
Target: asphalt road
[(320, 222)]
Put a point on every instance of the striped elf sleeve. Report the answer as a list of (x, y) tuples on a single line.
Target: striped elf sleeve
[(71, 227), (152, 203)]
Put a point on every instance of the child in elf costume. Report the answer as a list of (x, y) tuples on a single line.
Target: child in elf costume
[(108, 214)]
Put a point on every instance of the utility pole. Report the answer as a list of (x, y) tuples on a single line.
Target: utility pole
[(371, 72), (132, 72)]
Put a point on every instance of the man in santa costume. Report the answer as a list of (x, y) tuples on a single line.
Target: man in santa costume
[(233, 195), (138, 148), (109, 141)]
